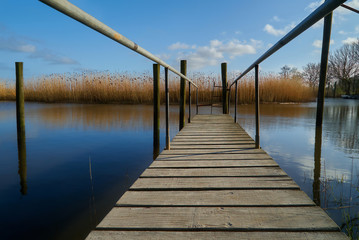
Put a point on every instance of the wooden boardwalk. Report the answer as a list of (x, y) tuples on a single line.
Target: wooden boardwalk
[(213, 184)]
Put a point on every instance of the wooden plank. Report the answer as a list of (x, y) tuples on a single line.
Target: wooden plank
[(214, 172), (214, 183), (213, 163), (209, 151), (243, 198), (213, 142), (219, 218), (211, 138), (164, 235), (210, 146), (206, 157)]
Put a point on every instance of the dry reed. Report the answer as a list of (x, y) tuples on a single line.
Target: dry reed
[(134, 88)]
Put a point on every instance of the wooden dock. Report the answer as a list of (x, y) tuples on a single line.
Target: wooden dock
[(213, 184)]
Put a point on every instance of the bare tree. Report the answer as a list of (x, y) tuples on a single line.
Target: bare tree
[(285, 70), (344, 67), (355, 50), (311, 74)]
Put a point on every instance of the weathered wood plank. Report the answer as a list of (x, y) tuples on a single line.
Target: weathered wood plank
[(210, 146), (206, 157), (213, 163), (214, 172), (215, 142), (265, 198), (209, 183), (209, 138), (209, 151), (219, 218), (165, 235)]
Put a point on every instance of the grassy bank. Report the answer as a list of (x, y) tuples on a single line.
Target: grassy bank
[(103, 87)]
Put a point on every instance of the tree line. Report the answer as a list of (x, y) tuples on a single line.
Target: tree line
[(342, 75)]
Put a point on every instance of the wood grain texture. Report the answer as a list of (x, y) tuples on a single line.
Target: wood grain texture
[(214, 172), (206, 157), (216, 198), (213, 163), (208, 183), (165, 235), (219, 218)]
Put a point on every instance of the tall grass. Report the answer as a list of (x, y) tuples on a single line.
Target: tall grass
[(135, 88)]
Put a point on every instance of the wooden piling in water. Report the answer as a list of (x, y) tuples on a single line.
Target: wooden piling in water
[(224, 88), (20, 123), (20, 101), (183, 95)]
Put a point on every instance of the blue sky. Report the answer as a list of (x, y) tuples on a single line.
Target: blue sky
[(205, 32)]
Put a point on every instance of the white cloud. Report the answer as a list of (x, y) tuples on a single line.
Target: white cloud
[(276, 19), (52, 58), (179, 45), (344, 11), (318, 43), (350, 40), (13, 45), (341, 32), (314, 5), (218, 50), (339, 11), (278, 32), (164, 56)]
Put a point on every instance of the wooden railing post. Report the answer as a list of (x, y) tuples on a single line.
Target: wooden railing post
[(156, 110), (20, 123), (182, 95), (257, 105), (167, 111), (323, 68), (224, 88), (189, 102), (235, 102)]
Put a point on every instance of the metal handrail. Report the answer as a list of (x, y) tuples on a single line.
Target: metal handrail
[(327, 7), (76, 13)]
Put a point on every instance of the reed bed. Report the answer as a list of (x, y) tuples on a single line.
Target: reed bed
[(135, 88)]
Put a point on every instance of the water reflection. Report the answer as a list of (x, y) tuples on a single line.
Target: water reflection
[(21, 146), (97, 116), (343, 126), (317, 165)]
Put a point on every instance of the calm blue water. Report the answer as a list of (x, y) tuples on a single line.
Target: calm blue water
[(81, 158)]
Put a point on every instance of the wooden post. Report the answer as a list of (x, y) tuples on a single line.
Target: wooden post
[(183, 95), (257, 105), (20, 112), (235, 102), (189, 102), (20, 122), (323, 68), (167, 111), (156, 110), (224, 88)]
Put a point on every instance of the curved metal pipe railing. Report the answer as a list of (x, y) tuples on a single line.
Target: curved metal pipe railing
[(323, 11), (327, 7), (76, 13)]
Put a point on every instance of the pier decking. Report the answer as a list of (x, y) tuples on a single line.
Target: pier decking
[(213, 184)]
